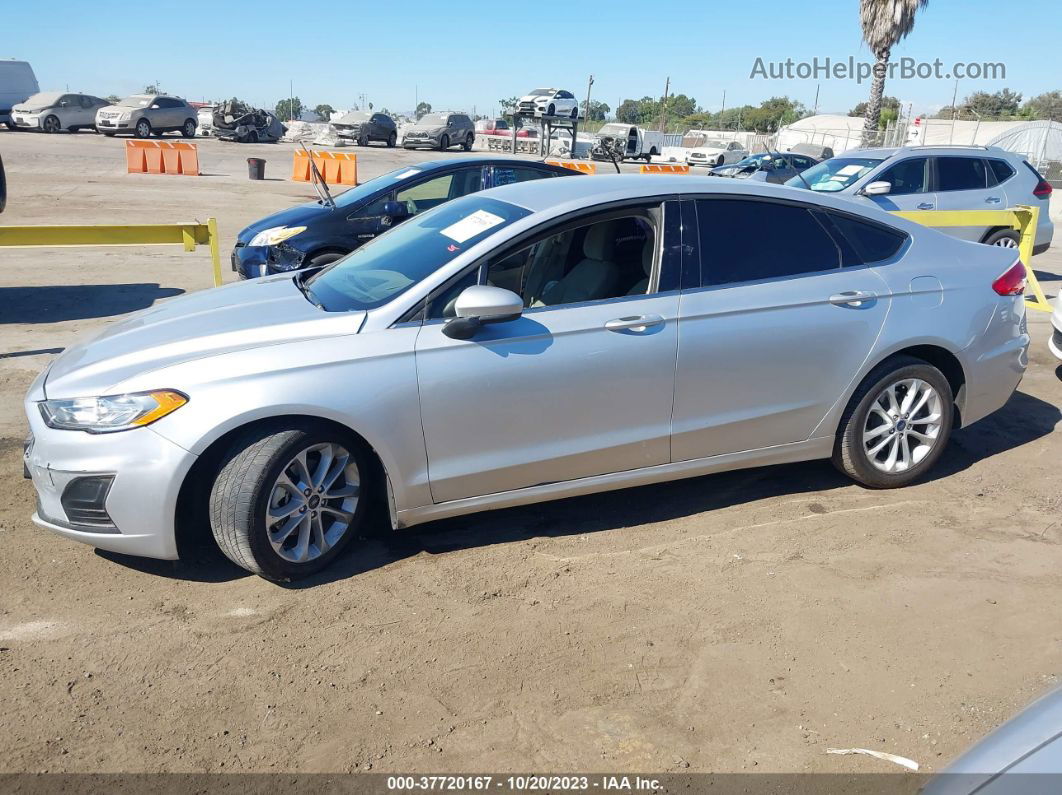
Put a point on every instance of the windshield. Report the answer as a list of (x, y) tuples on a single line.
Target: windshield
[(45, 99), (753, 160), (136, 101), (393, 262), (433, 120), (541, 92), (614, 129), (833, 175)]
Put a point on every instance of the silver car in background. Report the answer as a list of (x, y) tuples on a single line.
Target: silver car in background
[(148, 114), (441, 131), (939, 178), (54, 111), (544, 339)]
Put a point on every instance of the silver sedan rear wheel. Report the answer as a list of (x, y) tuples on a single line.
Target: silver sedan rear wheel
[(903, 425), (313, 502)]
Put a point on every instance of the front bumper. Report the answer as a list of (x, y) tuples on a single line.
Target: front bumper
[(252, 262), (114, 124), (141, 502), (409, 143), (29, 121)]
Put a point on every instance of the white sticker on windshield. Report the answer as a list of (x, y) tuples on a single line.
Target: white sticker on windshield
[(411, 173), (479, 221), (847, 171)]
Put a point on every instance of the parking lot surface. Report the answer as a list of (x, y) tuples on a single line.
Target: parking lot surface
[(744, 621)]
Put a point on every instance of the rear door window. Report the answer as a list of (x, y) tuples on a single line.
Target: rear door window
[(999, 171), (961, 173), (907, 176), (744, 240), (507, 175)]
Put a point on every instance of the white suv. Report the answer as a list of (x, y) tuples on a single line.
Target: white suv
[(549, 102)]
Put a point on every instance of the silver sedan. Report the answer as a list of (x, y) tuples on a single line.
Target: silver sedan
[(539, 340)]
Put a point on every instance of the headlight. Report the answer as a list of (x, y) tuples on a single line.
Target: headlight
[(110, 413), (274, 235), (125, 117)]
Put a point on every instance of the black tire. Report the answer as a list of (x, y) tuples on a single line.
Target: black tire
[(444, 143), (142, 129), (575, 113), (51, 124), (719, 161), (252, 137), (849, 455), (469, 140), (551, 110), (320, 260), (1004, 238), (241, 492), (188, 129), (11, 126), (392, 139)]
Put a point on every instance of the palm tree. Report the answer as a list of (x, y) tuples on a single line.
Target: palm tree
[(885, 23)]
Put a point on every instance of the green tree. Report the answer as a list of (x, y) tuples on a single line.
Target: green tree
[(995, 105), (325, 111), (507, 104), (289, 109), (597, 112), (886, 102), (113, 98), (423, 109), (884, 23), (151, 89), (1044, 106)]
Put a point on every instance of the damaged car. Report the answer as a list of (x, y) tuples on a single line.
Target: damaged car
[(441, 131), (237, 121), (364, 126)]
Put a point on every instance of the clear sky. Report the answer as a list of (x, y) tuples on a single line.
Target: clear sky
[(466, 55)]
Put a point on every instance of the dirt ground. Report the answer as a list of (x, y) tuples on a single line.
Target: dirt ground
[(737, 622)]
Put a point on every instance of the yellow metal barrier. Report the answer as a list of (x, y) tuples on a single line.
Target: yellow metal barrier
[(1022, 218), (187, 235)]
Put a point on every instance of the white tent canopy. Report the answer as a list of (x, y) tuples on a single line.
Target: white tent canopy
[(840, 133)]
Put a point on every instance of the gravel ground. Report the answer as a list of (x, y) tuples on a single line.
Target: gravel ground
[(744, 621)]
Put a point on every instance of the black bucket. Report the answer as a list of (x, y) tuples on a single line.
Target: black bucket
[(255, 168)]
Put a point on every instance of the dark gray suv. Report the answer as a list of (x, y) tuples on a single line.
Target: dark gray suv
[(441, 131)]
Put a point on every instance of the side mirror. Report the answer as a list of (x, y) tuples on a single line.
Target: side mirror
[(393, 211), (877, 188), (480, 304)]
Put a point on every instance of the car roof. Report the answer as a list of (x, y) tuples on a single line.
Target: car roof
[(920, 149), (568, 195), (458, 162)]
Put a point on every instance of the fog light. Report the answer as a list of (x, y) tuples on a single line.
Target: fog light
[(84, 502)]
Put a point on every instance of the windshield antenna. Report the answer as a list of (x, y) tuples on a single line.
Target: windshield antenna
[(318, 181)]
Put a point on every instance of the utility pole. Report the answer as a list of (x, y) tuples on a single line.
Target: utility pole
[(663, 106), (954, 110), (291, 100), (815, 110), (586, 112), (724, 104)]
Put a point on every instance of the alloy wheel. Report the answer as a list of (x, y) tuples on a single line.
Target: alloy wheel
[(51, 124), (312, 502), (903, 425), (1006, 242)]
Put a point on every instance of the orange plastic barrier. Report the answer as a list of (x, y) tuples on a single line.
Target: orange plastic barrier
[(664, 168), (575, 165), (337, 168), (161, 157)]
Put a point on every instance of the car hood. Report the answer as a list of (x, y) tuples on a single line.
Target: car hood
[(206, 323), (20, 108), (299, 215)]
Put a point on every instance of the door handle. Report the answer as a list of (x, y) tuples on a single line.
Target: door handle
[(852, 298), (926, 206), (634, 323), (993, 200)]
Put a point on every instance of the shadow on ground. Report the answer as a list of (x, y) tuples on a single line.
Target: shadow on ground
[(1023, 420), (77, 302)]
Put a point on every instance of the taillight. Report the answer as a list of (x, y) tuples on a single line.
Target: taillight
[(1043, 188), (1012, 282)]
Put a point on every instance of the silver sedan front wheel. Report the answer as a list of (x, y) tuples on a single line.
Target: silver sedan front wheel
[(285, 502), (313, 502), (903, 425)]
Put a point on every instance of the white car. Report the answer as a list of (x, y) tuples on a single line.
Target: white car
[(1055, 343), (704, 151), (54, 111), (549, 102)]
